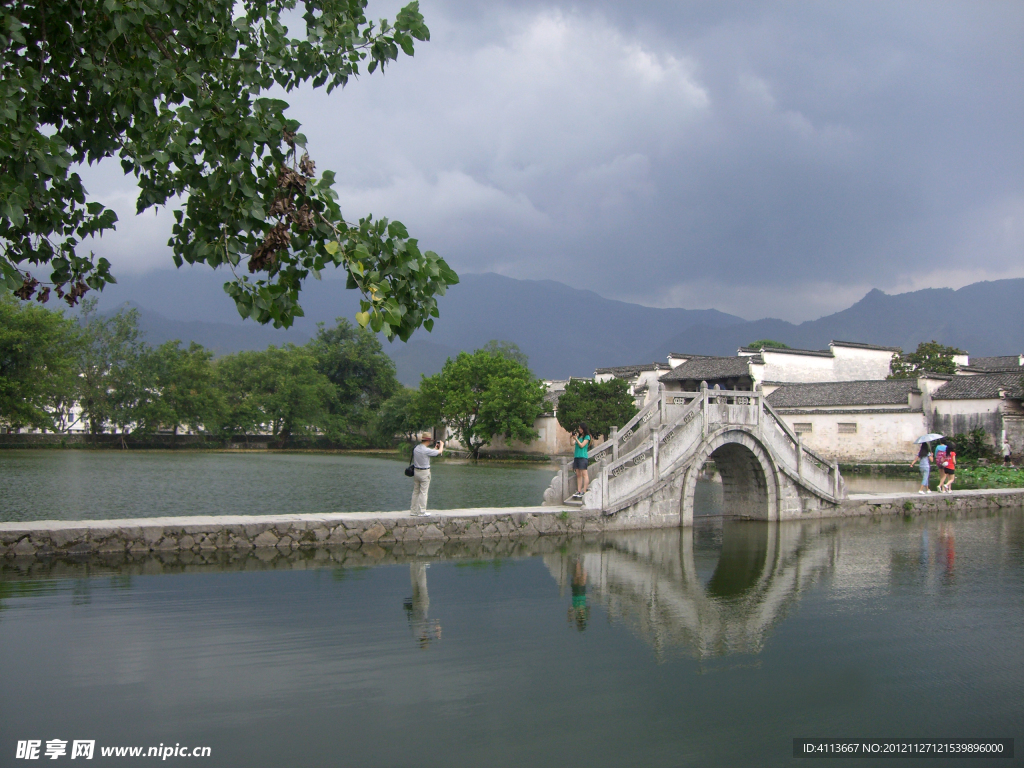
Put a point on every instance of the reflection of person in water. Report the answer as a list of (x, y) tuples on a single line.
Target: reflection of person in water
[(423, 629), (580, 611), (948, 542)]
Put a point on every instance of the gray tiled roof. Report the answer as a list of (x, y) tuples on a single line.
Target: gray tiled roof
[(1003, 363), (776, 350), (832, 393), (984, 386), (632, 370), (708, 368), (859, 345)]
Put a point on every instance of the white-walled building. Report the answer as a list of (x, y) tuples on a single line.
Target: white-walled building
[(854, 421), (642, 379), (840, 400), (989, 401)]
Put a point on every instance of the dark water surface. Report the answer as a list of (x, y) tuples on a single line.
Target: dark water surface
[(714, 647), (98, 485)]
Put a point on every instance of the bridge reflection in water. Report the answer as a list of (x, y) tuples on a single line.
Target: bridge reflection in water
[(715, 589)]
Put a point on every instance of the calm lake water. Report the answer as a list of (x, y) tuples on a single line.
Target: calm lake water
[(96, 485), (91, 485), (711, 647)]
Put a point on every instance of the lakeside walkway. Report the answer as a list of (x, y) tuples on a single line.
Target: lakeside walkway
[(353, 529)]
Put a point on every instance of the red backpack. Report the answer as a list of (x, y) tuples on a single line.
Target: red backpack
[(940, 456)]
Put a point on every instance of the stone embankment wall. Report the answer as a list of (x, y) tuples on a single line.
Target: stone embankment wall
[(285, 534), (288, 532), (863, 505), (274, 559)]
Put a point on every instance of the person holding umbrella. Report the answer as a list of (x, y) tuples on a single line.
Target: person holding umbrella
[(924, 456)]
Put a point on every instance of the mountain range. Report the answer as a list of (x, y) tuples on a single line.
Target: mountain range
[(570, 332)]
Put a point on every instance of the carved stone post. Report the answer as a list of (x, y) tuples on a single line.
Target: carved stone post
[(613, 435), (704, 410), (799, 455), (605, 490), (655, 434)]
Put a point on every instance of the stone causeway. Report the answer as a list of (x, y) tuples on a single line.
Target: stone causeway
[(286, 533)]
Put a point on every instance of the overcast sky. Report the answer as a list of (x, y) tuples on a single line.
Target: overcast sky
[(762, 158)]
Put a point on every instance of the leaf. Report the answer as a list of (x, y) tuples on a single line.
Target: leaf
[(362, 318)]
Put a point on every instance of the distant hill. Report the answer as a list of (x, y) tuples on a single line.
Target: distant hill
[(566, 331), (981, 318), (563, 330)]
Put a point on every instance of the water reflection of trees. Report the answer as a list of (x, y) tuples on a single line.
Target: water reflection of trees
[(654, 582)]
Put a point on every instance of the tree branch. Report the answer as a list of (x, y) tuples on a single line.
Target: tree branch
[(155, 39)]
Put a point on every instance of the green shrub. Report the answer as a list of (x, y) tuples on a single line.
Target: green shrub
[(973, 445)]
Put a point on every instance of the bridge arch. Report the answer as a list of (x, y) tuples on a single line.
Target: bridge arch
[(750, 479)]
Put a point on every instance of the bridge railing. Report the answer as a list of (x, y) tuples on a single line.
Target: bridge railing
[(623, 440), (666, 429), (627, 437), (813, 468), (631, 472)]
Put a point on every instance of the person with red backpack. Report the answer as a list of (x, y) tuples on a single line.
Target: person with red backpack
[(945, 457)]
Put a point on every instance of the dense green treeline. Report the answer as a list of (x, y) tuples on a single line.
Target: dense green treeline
[(96, 374)]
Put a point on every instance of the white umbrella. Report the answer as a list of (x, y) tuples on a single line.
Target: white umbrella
[(928, 438)]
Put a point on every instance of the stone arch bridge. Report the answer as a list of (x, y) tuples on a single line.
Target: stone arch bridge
[(646, 472)]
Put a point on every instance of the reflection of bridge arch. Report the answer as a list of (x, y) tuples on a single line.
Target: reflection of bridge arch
[(750, 480), (649, 581)]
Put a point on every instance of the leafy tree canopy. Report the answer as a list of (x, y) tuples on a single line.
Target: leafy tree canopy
[(278, 389), (362, 377), (930, 356), (507, 349), (36, 356), (767, 343), (402, 415), (354, 361), (108, 367), (181, 389), (175, 89), (600, 405), (481, 396)]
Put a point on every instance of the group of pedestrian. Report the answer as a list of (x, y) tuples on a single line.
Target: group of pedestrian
[(945, 460)]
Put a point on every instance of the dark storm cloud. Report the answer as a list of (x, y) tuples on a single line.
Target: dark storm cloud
[(764, 158)]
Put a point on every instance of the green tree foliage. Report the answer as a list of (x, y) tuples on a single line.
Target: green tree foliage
[(401, 415), (175, 89), (278, 389), (507, 349), (181, 389), (37, 353), (600, 405), (108, 367), (363, 377), (767, 343), (930, 356), (973, 446), (482, 396)]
